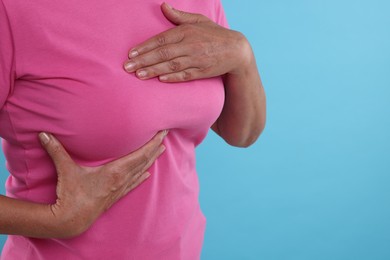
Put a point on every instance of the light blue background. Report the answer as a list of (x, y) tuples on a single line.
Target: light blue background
[(317, 183)]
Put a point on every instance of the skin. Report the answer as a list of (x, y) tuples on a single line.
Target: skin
[(83, 193), (196, 48)]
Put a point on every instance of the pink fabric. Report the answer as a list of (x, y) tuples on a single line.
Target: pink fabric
[(61, 72)]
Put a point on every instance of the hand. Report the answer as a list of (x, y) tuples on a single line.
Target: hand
[(197, 48), (84, 193)]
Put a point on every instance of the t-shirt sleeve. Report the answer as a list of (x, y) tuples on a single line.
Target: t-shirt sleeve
[(7, 70), (220, 14)]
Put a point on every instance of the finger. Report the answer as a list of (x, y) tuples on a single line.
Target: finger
[(153, 158), (156, 56), (125, 189), (145, 161), (184, 75), (171, 36), (180, 17), (168, 67), (137, 160), (144, 176), (133, 164), (55, 150), (146, 155)]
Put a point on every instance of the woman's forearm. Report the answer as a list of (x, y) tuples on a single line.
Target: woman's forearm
[(243, 117), (28, 219)]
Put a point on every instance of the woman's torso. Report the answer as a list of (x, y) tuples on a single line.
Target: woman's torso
[(70, 82)]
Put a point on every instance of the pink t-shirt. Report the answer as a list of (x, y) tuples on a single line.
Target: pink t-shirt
[(62, 72)]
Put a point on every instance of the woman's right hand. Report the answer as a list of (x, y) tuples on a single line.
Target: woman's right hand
[(84, 193)]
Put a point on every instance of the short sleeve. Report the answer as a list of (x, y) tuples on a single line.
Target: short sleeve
[(7, 70), (220, 14)]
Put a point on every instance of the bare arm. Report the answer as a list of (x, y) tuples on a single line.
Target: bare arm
[(244, 113), (25, 218), (83, 193)]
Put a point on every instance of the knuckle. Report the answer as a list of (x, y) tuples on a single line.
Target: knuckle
[(138, 162), (115, 182), (145, 161), (56, 149), (186, 75), (146, 157), (115, 175), (164, 54), (174, 65), (161, 40)]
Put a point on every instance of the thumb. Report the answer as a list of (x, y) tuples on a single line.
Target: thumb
[(55, 150), (180, 17)]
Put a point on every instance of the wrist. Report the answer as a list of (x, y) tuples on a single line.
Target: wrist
[(245, 60), (66, 223), (56, 224), (24, 218)]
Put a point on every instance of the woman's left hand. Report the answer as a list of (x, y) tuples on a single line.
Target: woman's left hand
[(196, 48)]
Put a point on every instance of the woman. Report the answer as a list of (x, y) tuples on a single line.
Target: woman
[(61, 74)]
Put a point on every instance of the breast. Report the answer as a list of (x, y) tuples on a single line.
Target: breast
[(74, 85), (113, 113)]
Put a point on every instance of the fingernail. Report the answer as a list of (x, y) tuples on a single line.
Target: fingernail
[(129, 66), (44, 138), (133, 54), (163, 78), (165, 132), (170, 7), (142, 73)]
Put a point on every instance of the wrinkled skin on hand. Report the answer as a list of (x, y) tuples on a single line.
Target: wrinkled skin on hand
[(84, 193), (196, 48)]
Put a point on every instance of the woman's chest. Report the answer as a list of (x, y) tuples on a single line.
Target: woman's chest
[(110, 114), (71, 82)]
